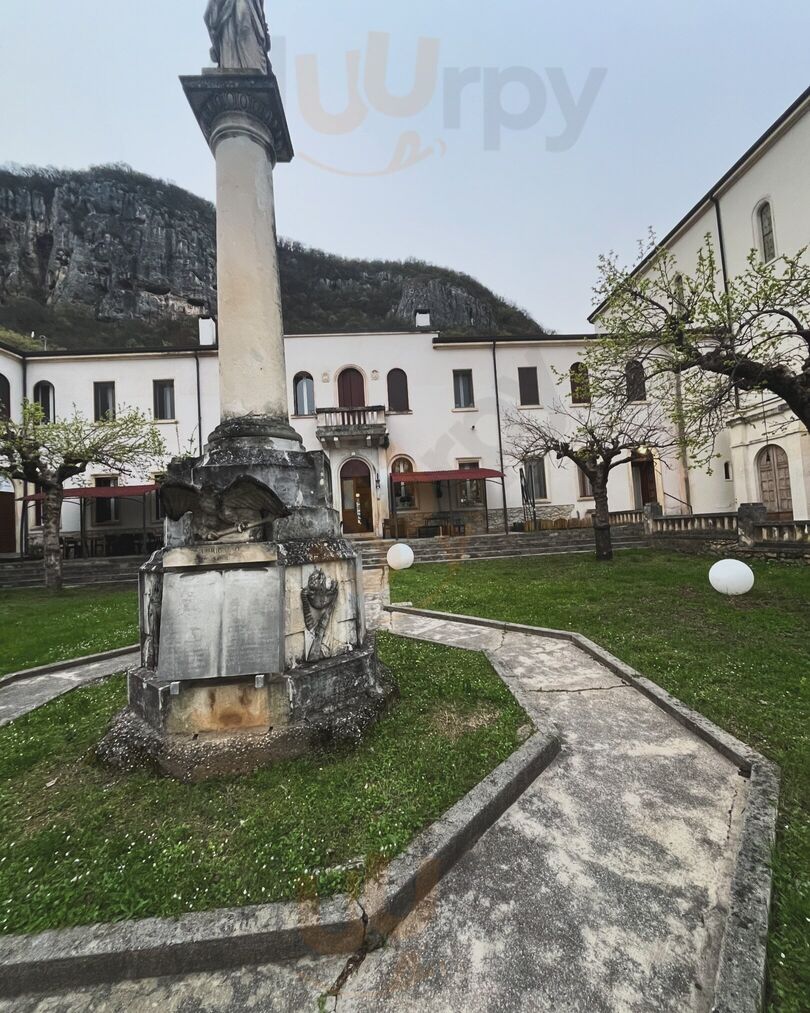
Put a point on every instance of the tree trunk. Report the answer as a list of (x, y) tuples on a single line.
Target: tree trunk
[(601, 519), (51, 524)]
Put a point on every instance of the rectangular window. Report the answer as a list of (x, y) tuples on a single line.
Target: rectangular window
[(470, 493), (527, 380), (463, 388), (163, 396), (585, 487), (727, 470), (535, 472), (106, 510), (104, 400)]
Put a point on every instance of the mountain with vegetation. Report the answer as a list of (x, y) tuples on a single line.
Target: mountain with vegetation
[(111, 258)]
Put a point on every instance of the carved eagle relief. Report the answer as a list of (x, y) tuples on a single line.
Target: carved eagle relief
[(243, 508)]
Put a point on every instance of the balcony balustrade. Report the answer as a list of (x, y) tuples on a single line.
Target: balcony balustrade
[(353, 426)]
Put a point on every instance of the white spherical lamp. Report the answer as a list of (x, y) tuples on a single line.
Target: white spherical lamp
[(732, 577), (400, 556)]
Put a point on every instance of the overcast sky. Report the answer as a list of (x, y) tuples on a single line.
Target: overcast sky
[(581, 124)]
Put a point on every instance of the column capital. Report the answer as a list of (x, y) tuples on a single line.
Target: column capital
[(228, 103)]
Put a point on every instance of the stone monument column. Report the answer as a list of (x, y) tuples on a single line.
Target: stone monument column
[(242, 117), (251, 332), (254, 644)]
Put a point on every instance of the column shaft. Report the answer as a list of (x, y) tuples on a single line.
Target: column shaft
[(251, 330)]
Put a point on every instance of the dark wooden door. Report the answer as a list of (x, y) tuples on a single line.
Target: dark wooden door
[(644, 483), (351, 389), (357, 505), (774, 483), (8, 540)]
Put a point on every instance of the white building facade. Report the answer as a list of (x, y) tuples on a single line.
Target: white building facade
[(382, 406), (763, 204)]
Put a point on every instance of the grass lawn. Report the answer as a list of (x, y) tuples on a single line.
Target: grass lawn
[(37, 628), (81, 844), (744, 663)]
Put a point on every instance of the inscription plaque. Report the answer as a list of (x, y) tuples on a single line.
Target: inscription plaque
[(221, 623)]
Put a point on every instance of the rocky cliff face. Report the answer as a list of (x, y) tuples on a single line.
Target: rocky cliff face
[(121, 246), (109, 257)]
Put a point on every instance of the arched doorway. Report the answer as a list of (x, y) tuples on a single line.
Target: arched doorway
[(356, 503), (774, 483), (351, 389)]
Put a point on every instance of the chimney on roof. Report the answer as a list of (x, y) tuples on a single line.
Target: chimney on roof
[(422, 318), (208, 332)]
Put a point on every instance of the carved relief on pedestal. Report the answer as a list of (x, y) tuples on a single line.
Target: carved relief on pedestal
[(152, 602), (318, 598), (240, 512)]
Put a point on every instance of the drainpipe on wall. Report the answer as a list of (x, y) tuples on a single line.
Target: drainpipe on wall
[(722, 242), (24, 507), (724, 267), (500, 434), (199, 405), (687, 485)]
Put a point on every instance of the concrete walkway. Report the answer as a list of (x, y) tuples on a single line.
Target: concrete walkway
[(23, 695), (602, 889)]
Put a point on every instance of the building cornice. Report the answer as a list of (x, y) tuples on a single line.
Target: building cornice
[(512, 340), (118, 353)]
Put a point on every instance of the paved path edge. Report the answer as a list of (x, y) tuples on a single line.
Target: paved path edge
[(257, 934), (66, 666), (741, 979)]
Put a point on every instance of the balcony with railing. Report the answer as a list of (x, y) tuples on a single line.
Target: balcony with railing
[(353, 426)]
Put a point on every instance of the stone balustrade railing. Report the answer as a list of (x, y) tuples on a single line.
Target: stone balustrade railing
[(783, 531), (700, 525), (626, 517), (373, 415), (748, 530)]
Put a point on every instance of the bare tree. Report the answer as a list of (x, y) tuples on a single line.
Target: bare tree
[(598, 436), (50, 453), (722, 341)]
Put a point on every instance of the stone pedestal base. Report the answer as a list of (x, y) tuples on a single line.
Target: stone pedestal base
[(202, 729)]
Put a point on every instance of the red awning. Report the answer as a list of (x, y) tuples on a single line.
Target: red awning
[(458, 475), (100, 492)]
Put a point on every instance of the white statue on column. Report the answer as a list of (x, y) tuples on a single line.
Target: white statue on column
[(240, 38)]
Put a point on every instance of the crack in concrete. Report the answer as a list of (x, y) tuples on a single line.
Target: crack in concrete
[(352, 965), (734, 798), (584, 689)]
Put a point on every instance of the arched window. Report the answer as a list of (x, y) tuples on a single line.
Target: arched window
[(5, 397), (44, 397), (580, 384), (398, 391), (767, 238), (303, 394), (636, 381), (351, 389), (404, 491)]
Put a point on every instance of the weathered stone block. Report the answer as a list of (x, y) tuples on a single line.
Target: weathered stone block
[(213, 728)]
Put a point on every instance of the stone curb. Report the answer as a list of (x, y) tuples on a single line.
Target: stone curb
[(742, 970), (64, 666), (155, 947)]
